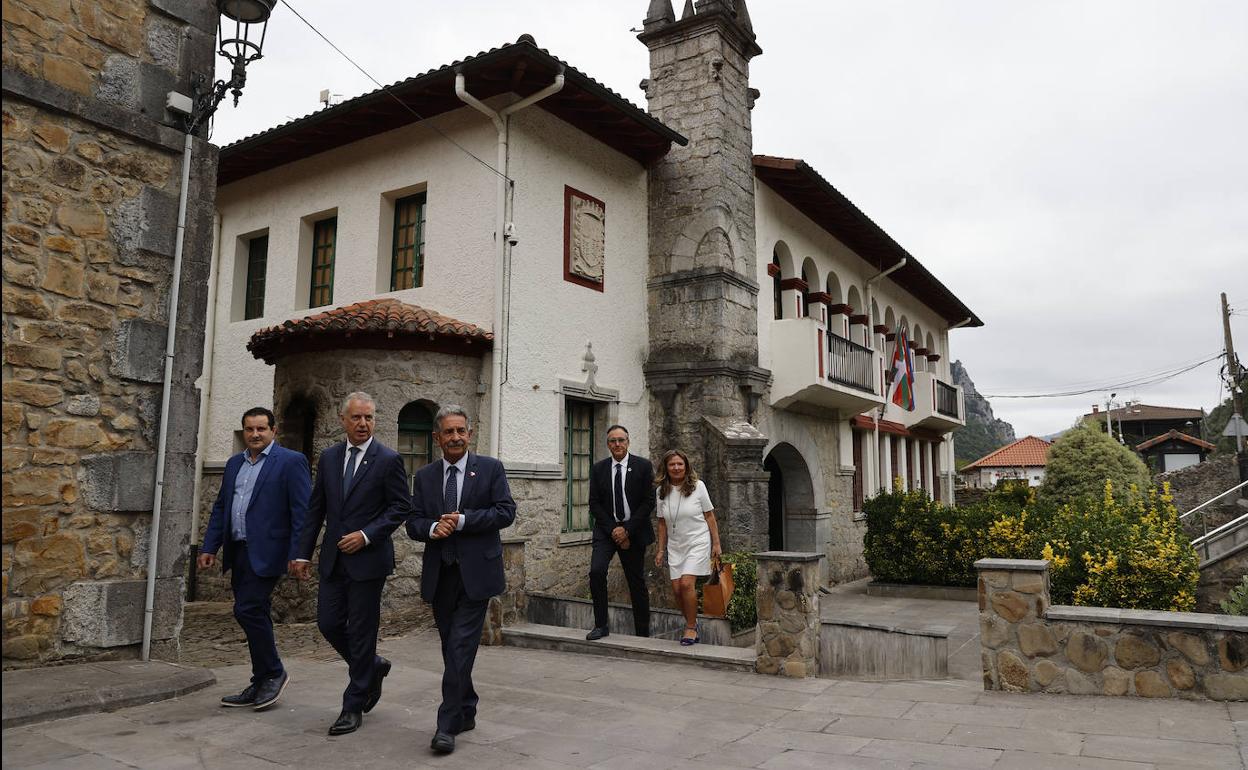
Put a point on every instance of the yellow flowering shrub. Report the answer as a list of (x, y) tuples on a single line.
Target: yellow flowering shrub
[(1119, 551)]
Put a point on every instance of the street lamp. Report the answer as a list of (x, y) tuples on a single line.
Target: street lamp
[(241, 28)]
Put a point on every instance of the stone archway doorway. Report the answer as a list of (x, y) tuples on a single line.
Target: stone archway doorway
[(790, 501)]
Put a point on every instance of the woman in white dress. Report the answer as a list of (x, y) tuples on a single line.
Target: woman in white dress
[(688, 535)]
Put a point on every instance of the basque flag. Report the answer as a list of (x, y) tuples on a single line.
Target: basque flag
[(901, 374)]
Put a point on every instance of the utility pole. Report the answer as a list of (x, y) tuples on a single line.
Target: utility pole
[(1237, 393)]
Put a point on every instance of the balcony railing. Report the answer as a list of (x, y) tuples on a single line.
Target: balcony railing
[(947, 400), (850, 364)]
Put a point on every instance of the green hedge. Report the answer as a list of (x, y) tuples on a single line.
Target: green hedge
[(1127, 552)]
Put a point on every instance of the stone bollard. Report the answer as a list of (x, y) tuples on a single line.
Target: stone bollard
[(1013, 597), (788, 613), (509, 608)]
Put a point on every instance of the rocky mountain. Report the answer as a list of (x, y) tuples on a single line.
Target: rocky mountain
[(983, 432)]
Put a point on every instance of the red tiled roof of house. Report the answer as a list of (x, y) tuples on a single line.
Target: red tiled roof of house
[(1028, 451), (1176, 435), (375, 323)]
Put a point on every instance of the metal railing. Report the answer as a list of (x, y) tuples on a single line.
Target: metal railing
[(1204, 527), (850, 364), (946, 399), (1204, 540)]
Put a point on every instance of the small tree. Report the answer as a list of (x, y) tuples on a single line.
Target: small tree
[(1083, 459)]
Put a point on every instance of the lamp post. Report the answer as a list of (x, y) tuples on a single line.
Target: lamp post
[(241, 30)]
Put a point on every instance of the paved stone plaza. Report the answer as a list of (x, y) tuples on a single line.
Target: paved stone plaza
[(550, 709)]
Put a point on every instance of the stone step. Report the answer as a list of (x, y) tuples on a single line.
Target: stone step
[(538, 637)]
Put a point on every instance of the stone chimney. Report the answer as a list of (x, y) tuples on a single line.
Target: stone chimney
[(703, 290)]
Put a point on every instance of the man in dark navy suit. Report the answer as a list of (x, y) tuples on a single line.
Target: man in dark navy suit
[(360, 496), (621, 499), (458, 507), (257, 517)]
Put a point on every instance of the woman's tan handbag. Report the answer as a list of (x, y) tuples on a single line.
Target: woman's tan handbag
[(717, 591)]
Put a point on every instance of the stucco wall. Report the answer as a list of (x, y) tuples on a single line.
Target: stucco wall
[(551, 319)]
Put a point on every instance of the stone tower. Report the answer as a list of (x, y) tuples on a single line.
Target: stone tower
[(703, 371)]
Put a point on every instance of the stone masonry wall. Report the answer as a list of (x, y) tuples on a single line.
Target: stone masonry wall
[(788, 614), (90, 196), (1029, 646)]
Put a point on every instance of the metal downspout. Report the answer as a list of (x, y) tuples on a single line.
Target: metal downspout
[(171, 338), (502, 126)]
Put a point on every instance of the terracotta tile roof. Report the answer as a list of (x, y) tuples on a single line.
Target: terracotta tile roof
[(1176, 435), (1147, 412), (375, 323), (1028, 451)]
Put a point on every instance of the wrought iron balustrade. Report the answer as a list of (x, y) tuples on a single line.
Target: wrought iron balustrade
[(850, 364), (946, 399)]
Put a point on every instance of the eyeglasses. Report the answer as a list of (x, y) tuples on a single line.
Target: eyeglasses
[(617, 441)]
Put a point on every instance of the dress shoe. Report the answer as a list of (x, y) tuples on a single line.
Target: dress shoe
[(469, 723), (270, 690), (245, 698), (348, 722), (379, 673), (443, 743), (598, 633)]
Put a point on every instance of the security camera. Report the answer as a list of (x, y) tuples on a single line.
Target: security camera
[(509, 232)]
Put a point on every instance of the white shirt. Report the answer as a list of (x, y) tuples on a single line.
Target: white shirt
[(461, 467), (346, 456), (623, 466)]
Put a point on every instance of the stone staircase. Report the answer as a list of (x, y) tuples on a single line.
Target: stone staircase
[(535, 636)]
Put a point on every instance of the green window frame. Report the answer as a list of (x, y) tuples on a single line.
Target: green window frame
[(415, 439), (407, 259), (578, 458), (324, 241), (257, 265)]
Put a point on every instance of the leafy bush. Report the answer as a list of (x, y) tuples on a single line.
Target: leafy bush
[(1082, 460), (1236, 602), (742, 610), (1130, 554), (1107, 552)]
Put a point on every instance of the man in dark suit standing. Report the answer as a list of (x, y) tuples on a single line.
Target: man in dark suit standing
[(621, 498), (360, 496), (257, 517), (458, 507)]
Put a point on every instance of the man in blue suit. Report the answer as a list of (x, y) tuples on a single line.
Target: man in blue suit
[(458, 507), (257, 516), (360, 497)]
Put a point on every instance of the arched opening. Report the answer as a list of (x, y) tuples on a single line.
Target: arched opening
[(810, 276), (920, 363), (298, 425), (777, 294), (415, 437), (790, 501)]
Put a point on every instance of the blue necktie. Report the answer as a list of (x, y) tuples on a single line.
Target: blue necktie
[(349, 474), (450, 504)]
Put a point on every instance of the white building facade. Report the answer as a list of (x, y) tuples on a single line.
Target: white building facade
[(360, 248)]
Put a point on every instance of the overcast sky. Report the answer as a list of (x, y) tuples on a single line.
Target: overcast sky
[(1075, 171)]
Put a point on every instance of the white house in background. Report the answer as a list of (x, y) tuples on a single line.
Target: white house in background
[(651, 270), (1024, 460)]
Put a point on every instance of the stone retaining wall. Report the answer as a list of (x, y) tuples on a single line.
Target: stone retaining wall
[(1029, 646)]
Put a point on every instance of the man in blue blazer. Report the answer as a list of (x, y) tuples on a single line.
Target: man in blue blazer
[(257, 516), (458, 507), (360, 496)]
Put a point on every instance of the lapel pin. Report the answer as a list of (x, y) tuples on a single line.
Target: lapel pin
[(472, 473)]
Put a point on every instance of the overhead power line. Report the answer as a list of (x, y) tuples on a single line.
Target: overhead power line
[(392, 95), (1137, 382)]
